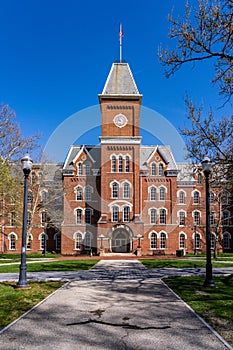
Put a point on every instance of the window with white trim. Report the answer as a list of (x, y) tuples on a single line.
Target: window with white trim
[(161, 169), (12, 218), (127, 164), (182, 241), (115, 190), (162, 194), (196, 197), (79, 214), (79, 194), (115, 213), (226, 240), (113, 164), (162, 216), (88, 192), (120, 164), (12, 241), (78, 241), (126, 190), (197, 241), (153, 240), (88, 169), (152, 193), (181, 218), (126, 214), (153, 216), (181, 197), (80, 169), (163, 239), (153, 169), (196, 218)]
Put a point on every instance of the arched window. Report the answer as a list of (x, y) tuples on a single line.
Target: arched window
[(153, 169), (161, 171), (57, 238), (79, 213), (80, 169), (87, 240), (211, 197), (163, 240), (127, 164), (12, 218), (29, 218), (30, 197), (196, 197), (212, 218), (43, 238), (181, 197), (196, 218), (226, 240), (126, 190), (120, 164), (88, 169), (40, 176), (225, 197), (182, 241), (44, 196), (225, 217), (78, 241), (115, 190), (33, 178), (126, 214), (88, 215), (113, 164), (153, 216), (43, 217), (181, 218), (88, 192), (153, 240), (29, 242), (79, 194), (197, 241), (162, 216), (153, 194), (115, 214), (162, 194), (199, 178), (212, 241), (12, 241)]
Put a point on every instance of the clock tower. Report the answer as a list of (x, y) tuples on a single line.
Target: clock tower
[(120, 142)]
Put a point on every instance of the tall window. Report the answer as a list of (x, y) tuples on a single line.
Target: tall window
[(13, 218), (162, 216), (153, 169), (113, 164), (226, 240), (58, 242), (88, 193), (78, 241), (199, 178), (87, 240), (162, 240), (211, 197), (126, 214), (115, 190), (29, 242), (127, 164), (212, 217), (153, 194), (80, 169), (197, 241), (182, 197), (225, 197), (12, 241), (153, 216), (30, 197), (33, 178), (43, 238), (182, 218), (153, 240), (79, 216), (44, 196), (182, 241), (162, 194), (126, 190), (196, 218), (196, 197), (88, 216), (161, 171), (120, 164), (88, 169), (212, 241), (225, 218), (79, 194), (43, 217), (29, 218), (115, 214)]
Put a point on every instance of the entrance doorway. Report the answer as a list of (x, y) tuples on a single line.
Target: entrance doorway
[(120, 241)]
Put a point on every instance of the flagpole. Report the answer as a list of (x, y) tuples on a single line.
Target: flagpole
[(120, 37)]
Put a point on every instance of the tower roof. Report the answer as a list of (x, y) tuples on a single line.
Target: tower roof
[(120, 81)]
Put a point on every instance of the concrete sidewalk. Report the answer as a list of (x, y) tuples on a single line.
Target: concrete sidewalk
[(133, 312)]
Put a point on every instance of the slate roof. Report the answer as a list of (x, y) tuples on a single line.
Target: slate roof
[(164, 151), (94, 152), (120, 81)]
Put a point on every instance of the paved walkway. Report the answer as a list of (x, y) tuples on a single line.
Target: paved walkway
[(116, 305)]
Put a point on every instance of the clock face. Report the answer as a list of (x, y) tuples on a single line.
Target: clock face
[(120, 120)]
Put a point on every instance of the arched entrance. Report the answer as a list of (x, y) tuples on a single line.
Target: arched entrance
[(121, 239)]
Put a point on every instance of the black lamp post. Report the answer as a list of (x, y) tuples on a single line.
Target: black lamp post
[(206, 166), (27, 166)]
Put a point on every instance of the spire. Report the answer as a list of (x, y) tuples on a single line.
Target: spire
[(120, 39)]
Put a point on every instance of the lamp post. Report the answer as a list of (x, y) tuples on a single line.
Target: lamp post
[(139, 249), (101, 244), (206, 166), (26, 166)]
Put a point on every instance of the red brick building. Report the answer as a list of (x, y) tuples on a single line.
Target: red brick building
[(121, 195)]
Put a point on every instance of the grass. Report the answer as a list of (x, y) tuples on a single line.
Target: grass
[(62, 265), (15, 302), (176, 263), (29, 256), (215, 305)]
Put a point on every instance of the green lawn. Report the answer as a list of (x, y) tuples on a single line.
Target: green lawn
[(62, 265), (29, 256), (215, 305), (163, 263), (15, 302)]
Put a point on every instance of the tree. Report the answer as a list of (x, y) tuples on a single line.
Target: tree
[(204, 33)]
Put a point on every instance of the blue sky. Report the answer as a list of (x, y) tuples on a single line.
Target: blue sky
[(56, 56)]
